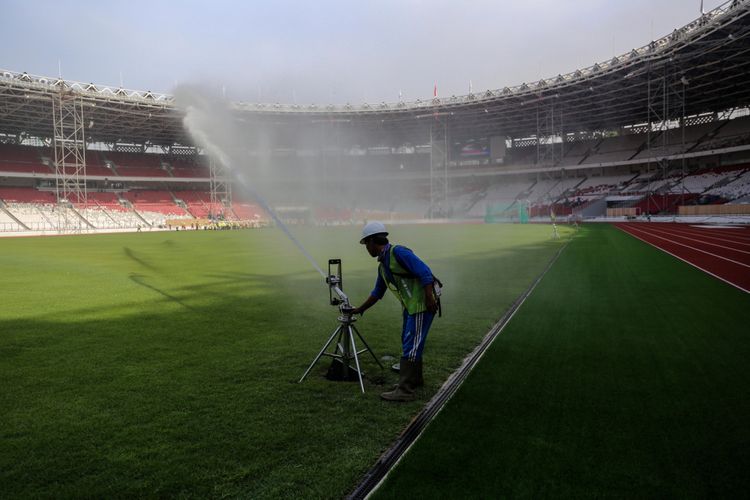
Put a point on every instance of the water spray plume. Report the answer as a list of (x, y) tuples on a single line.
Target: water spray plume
[(212, 127)]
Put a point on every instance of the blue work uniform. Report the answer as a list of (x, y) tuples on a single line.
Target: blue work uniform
[(415, 326)]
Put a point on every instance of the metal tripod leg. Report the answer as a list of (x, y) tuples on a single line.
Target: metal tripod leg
[(367, 346), (330, 339), (356, 358)]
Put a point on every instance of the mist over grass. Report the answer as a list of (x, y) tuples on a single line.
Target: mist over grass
[(243, 147), (165, 364)]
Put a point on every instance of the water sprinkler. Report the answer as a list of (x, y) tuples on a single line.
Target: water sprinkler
[(335, 284), (345, 350)]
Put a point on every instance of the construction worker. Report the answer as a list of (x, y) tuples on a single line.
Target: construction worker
[(413, 284)]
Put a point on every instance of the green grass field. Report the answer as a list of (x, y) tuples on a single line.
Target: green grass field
[(165, 364), (625, 374)]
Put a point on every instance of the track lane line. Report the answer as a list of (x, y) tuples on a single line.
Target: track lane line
[(710, 233), (738, 233), (728, 282), (693, 248), (705, 234), (670, 233)]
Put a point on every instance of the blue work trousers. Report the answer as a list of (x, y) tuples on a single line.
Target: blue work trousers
[(414, 334)]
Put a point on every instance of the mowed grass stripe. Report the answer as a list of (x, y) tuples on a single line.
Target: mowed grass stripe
[(165, 364), (624, 374)]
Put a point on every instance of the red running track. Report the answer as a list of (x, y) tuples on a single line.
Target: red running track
[(723, 252)]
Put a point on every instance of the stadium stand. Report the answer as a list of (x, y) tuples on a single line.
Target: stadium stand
[(23, 159), (135, 206), (541, 189), (596, 186), (105, 201), (247, 211), (198, 203), (26, 195), (736, 187), (8, 223), (731, 133), (95, 165), (187, 168), (578, 151), (522, 156), (34, 216), (154, 201), (137, 164), (670, 142), (620, 148), (146, 171)]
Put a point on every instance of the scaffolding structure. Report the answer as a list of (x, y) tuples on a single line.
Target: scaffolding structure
[(666, 99), (549, 121), (69, 142), (220, 186), (438, 168)]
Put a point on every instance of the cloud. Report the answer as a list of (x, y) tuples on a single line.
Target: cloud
[(328, 51)]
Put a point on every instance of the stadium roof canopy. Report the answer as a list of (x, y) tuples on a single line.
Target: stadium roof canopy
[(708, 60)]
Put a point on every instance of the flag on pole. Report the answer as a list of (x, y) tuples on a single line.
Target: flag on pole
[(434, 92)]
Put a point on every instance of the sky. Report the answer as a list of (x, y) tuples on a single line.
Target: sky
[(327, 51)]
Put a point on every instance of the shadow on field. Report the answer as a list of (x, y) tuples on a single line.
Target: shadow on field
[(141, 280), (132, 256), (184, 384)]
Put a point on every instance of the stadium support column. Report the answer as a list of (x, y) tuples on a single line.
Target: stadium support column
[(438, 169), (70, 159), (221, 188)]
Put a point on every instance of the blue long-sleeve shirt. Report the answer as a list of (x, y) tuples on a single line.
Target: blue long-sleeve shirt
[(408, 260)]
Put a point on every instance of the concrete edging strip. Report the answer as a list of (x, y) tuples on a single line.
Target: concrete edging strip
[(377, 474)]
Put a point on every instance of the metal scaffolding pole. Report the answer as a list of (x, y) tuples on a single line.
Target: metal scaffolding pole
[(438, 169), (666, 104), (70, 160), (221, 188), (683, 164), (549, 122)]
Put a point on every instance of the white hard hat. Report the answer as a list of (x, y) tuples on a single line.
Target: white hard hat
[(371, 228)]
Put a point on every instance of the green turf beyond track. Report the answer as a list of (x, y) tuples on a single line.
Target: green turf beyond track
[(165, 364), (626, 374)]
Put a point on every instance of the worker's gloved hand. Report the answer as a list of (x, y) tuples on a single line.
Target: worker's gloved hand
[(431, 304)]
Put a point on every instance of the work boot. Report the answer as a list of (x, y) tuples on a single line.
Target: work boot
[(418, 377), (404, 391)]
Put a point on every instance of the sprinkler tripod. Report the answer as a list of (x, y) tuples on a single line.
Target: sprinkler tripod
[(346, 347)]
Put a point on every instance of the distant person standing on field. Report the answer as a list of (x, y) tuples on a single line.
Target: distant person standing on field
[(413, 284)]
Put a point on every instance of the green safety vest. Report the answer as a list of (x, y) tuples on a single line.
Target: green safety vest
[(405, 286)]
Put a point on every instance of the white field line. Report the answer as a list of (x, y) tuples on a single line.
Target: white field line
[(677, 235), (621, 228), (693, 248)]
